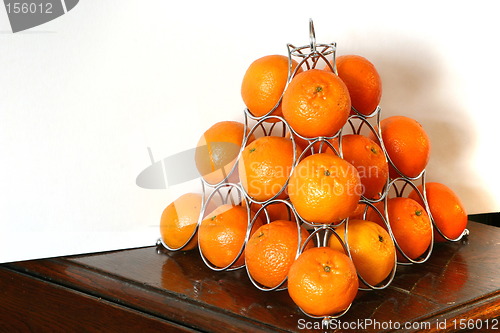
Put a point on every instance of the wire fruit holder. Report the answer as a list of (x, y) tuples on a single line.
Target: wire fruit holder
[(228, 191)]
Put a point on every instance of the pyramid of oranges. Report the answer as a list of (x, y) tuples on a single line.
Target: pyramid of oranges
[(313, 191)]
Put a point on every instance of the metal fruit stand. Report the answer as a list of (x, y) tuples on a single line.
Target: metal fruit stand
[(232, 192)]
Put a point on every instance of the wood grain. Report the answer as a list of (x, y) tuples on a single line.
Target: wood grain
[(33, 305)]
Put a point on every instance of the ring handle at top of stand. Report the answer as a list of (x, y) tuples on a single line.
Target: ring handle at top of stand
[(312, 35)]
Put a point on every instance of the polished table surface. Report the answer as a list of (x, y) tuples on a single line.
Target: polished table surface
[(149, 290)]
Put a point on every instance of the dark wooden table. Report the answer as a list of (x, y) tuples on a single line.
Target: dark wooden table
[(141, 290)]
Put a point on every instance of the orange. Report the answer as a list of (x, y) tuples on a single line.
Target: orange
[(271, 251), (324, 188), (264, 83), (323, 281), (222, 233), (318, 146), (218, 149), (179, 219), (447, 210), (410, 225), (265, 165), (358, 212), (275, 211), (370, 161), (298, 141), (316, 103), (372, 249), (362, 80), (407, 145)]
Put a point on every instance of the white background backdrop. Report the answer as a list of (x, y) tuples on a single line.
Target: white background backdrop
[(83, 96)]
